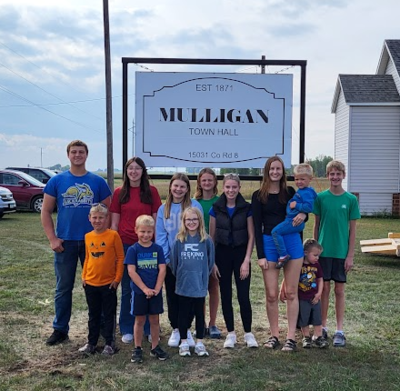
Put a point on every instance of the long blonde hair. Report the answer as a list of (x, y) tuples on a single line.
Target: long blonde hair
[(183, 231), (186, 200), (198, 195)]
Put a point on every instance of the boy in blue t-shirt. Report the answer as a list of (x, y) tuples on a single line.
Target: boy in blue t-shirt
[(147, 269), (301, 202)]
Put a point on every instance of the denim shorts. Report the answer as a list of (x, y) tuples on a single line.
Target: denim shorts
[(294, 247)]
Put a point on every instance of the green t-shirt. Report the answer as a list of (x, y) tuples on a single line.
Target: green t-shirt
[(335, 212), (206, 205)]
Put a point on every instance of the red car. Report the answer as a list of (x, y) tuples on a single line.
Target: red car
[(27, 191)]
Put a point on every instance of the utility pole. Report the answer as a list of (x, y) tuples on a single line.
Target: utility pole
[(107, 56)]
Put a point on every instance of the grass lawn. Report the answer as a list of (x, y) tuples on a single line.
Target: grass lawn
[(371, 360)]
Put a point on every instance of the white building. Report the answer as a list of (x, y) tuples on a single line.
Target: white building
[(367, 133)]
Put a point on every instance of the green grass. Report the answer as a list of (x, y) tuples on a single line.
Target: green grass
[(369, 362)]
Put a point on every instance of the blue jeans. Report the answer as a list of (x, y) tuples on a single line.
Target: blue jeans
[(65, 265), (284, 228), (126, 316)]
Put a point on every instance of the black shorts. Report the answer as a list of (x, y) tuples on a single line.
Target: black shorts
[(309, 314), (144, 306), (333, 269)]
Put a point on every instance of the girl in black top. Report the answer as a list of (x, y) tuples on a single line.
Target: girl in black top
[(269, 209)]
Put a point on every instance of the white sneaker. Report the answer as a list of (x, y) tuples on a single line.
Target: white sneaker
[(230, 341), (190, 339), (127, 338), (200, 349), (184, 349), (174, 339), (250, 340)]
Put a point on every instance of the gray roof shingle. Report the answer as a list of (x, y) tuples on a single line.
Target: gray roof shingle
[(393, 46), (369, 88)]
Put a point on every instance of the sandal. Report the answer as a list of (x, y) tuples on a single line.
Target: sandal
[(289, 346), (272, 343)]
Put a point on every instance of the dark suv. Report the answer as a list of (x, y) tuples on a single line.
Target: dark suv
[(27, 191), (41, 174)]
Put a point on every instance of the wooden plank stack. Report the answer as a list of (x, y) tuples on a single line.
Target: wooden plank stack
[(389, 246)]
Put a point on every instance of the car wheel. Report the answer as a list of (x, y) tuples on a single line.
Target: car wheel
[(37, 204)]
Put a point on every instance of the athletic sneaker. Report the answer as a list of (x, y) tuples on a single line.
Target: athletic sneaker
[(56, 338), (137, 356), (127, 338), (87, 349), (200, 349), (190, 339), (159, 353), (108, 350), (250, 340), (184, 349), (174, 339), (282, 262), (214, 332), (230, 341), (321, 342), (307, 342), (325, 333), (339, 340)]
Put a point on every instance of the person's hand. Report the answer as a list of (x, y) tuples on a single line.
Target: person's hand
[(215, 272), (83, 283), (316, 299), (149, 293), (263, 263), (293, 204), (348, 264), (244, 269), (114, 285), (282, 293), (56, 245), (156, 292), (297, 220)]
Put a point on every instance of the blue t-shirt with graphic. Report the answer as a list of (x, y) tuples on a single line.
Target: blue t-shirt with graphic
[(74, 197), (146, 260)]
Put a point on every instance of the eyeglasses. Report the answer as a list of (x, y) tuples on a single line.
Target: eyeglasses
[(195, 220)]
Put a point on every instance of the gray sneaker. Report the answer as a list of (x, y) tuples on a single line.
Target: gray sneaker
[(339, 340), (214, 332)]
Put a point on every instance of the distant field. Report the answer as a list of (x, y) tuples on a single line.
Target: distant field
[(248, 187)]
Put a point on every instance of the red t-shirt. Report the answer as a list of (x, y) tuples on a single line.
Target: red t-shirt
[(131, 210)]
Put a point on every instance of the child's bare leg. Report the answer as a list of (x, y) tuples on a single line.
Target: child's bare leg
[(325, 302), (317, 331), (213, 289), (339, 304), (138, 329), (154, 330), (305, 331)]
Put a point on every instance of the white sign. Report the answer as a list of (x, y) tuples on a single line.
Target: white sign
[(213, 119)]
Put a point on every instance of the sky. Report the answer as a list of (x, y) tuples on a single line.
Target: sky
[(52, 79)]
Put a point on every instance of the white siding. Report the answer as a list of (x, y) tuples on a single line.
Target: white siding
[(372, 203), (391, 70), (374, 152), (341, 151)]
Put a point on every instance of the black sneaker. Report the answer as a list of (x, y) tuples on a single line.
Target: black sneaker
[(321, 342), (159, 353), (137, 356), (56, 338), (306, 342), (324, 333)]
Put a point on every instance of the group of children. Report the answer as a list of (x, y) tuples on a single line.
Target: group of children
[(196, 250)]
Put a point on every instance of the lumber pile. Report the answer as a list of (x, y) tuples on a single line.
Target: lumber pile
[(387, 246)]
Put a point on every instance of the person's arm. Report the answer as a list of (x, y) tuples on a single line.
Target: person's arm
[(162, 234), (162, 271), (317, 297), (115, 218), (211, 255), (49, 203), (85, 263), (316, 227), (119, 251), (306, 202), (256, 208), (138, 281), (212, 227), (244, 268), (349, 262)]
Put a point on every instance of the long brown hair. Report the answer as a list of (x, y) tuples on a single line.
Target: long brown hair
[(186, 200), (266, 182), (145, 191), (198, 195)]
